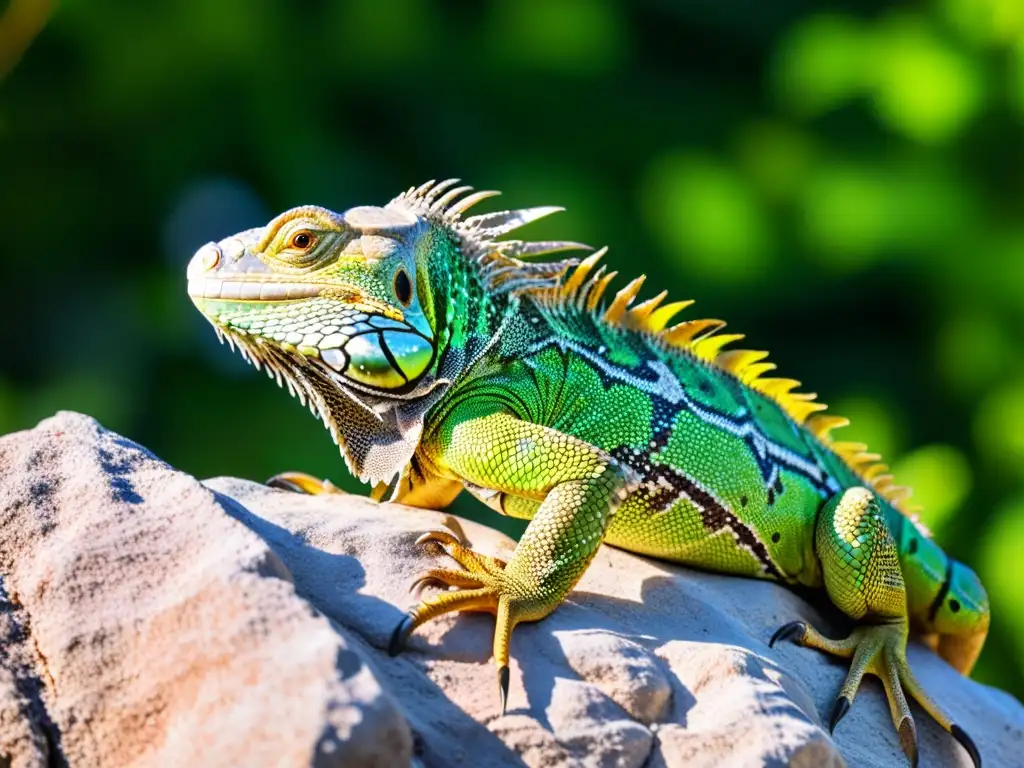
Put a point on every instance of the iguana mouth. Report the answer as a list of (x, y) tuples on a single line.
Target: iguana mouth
[(253, 290), (268, 290)]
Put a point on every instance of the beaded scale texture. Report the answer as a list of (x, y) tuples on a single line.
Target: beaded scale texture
[(440, 359)]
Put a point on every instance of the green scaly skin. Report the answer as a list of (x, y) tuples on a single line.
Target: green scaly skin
[(439, 359)]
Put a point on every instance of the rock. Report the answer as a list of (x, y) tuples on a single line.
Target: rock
[(141, 624), (151, 620)]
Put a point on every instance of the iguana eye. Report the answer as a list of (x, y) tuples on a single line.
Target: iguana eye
[(303, 241), (403, 287)]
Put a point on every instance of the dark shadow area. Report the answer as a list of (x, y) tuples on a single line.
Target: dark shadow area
[(298, 557), (119, 466)]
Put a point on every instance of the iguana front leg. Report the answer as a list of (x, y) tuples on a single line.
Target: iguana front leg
[(579, 487), (861, 568)]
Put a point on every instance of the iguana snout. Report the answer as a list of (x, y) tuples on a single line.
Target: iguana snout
[(334, 288)]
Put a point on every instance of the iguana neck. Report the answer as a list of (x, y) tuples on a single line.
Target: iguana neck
[(466, 312)]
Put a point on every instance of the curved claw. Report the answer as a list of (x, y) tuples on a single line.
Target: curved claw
[(445, 577), (967, 743), (401, 634), (483, 568), (280, 483), (791, 631), (440, 537), (300, 482), (503, 676), (839, 710), (426, 580), (451, 523), (908, 740)]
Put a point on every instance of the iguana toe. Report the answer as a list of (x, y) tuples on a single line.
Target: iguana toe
[(300, 482), (474, 562), (880, 650), (444, 577)]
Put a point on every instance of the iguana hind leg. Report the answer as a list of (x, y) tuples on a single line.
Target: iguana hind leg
[(580, 486), (861, 568)]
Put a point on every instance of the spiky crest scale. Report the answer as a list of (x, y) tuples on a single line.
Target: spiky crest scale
[(824, 423), (584, 285), (682, 335), (444, 203)]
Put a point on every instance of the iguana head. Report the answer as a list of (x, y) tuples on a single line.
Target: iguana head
[(334, 289), (356, 311)]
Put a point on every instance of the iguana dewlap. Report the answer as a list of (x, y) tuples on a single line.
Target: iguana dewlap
[(440, 359)]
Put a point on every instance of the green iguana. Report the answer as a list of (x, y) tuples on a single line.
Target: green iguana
[(440, 359)]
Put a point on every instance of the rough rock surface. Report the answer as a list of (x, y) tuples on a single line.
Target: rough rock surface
[(141, 624), (148, 619)]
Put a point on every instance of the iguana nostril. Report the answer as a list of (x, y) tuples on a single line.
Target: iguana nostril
[(232, 249), (210, 256), (206, 259)]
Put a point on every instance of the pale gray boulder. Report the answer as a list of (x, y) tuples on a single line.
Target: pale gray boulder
[(150, 620), (141, 624)]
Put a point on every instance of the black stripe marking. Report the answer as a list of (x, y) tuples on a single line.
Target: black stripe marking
[(943, 591), (769, 455), (391, 357), (714, 515)]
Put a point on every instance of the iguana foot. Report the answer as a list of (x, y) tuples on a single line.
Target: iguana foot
[(300, 482), (581, 486), (483, 585), (879, 649)]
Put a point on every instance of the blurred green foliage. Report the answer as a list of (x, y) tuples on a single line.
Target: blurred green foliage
[(843, 183)]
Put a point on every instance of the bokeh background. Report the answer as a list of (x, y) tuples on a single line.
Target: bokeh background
[(842, 181)]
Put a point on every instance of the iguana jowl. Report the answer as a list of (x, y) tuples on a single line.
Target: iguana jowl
[(440, 359)]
